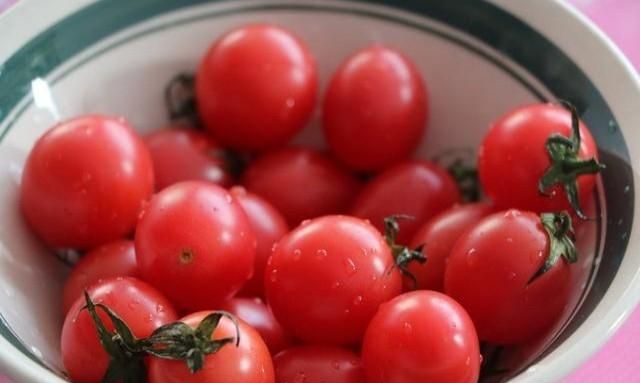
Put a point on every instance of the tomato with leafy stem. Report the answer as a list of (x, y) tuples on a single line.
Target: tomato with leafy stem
[(416, 189), (85, 182), (421, 336), (115, 259), (301, 183), (326, 278), (90, 352), (521, 261), (256, 87), (194, 242), (540, 158), (318, 364), (375, 109)]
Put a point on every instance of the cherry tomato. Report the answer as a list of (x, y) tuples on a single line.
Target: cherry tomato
[(258, 315), (141, 306), (318, 364), (491, 273), (418, 189), (182, 154), (438, 237), (269, 226), (256, 87), (422, 336), (85, 181), (195, 244), (375, 109), (326, 279), (249, 362), (115, 259), (301, 183), (513, 157)]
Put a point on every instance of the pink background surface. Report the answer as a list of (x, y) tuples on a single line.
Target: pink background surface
[(617, 361)]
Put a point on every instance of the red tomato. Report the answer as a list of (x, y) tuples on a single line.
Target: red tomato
[(249, 362), (326, 279), (269, 226), (195, 243), (301, 183), (182, 154), (115, 259), (317, 364), (438, 237), (258, 315), (256, 87), (513, 157), (375, 109), (85, 182), (141, 306), (490, 273), (419, 189), (422, 336)]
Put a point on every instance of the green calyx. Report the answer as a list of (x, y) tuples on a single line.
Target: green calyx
[(466, 177), (566, 165), (403, 255), (559, 229), (180, 100)]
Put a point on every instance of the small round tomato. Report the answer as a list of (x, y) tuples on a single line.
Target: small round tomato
[(195, 244), (256, 87), (141, 306), (513, 158), (85, 181), (375, 109), (318, 364), (437, 237), (258, 315), (248, 362), (180, 153), (417, 189), (326, 279), (268, 226), (115, 259), (301, 183), (422, 336), (494, 272)]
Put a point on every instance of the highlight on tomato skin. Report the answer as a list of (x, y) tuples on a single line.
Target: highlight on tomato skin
[(318, 364)]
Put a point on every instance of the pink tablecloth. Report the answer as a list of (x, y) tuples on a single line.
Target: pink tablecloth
[(616, 362)]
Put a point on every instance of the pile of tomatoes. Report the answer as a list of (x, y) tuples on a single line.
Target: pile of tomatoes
[(359, 264)]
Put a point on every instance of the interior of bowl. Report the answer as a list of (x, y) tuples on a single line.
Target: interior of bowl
[(117, 59)]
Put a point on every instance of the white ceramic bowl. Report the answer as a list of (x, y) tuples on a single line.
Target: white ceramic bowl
[(61, 59)]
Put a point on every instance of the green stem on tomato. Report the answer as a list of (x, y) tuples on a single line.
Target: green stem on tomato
[(402, 255)]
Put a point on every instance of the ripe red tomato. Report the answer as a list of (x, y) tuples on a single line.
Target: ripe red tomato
[(180, 153), (249, 362), (438, 237), (85, 181), (422, 336), (491, 272), (268, 226), (375, 109), (195, 244), (115, 259), (513, 158), (326, 279), (258, 315), (256, 87), (318, 364), (419, 189), (301, 183), (141, 306)]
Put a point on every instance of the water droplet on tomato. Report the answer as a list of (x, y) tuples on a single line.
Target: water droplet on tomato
[(228, 198), (305, 222), (321, 253), (407, 328), (160, 308), (351, 266), (297, 254), (512, 213), (472, 257), (357, 301), (274, 275), (336, 285), (512, 276), (335, 364), (509, 239)]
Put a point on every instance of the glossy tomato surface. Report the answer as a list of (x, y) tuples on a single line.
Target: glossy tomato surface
[(195, 243), (326, 279), (249, 362), (318, 364), (85, 181), (422, 336), (256, 87), (375, 109)]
